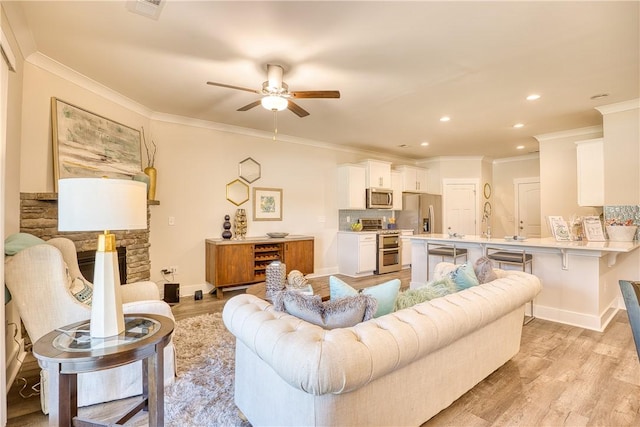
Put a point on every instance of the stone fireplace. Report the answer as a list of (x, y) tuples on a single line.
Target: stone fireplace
[(39, 216)]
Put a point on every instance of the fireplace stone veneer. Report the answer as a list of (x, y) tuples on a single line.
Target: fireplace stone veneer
[(39, 216)]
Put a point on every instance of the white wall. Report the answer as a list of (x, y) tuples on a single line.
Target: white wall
[(559, 173)]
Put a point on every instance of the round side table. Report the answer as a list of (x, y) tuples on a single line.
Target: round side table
[(69, 351)]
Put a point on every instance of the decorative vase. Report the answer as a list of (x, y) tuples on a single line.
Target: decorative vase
[(240, 224), (226, 234), (275, 277), (152, 173)]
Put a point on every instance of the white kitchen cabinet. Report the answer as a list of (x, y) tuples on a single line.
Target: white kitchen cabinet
[(405, 238), (351, 186), (590, 172), (414, 180), (378, 174), (357, 253), (396, 187)]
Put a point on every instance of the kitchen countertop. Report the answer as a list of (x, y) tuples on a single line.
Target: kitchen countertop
[(545, 242)]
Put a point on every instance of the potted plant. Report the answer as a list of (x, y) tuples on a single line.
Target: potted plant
[(150, 170)]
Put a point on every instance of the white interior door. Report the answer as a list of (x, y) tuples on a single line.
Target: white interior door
[(460, 207), (527, 208)]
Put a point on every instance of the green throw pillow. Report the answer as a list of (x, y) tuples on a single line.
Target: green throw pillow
[(435, 289), (81, 290), (464, 277), (385, 293), (19, 241)]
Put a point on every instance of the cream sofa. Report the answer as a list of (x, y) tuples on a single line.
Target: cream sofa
[(399, 369)]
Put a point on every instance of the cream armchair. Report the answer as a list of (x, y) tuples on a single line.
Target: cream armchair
[(39, 278)]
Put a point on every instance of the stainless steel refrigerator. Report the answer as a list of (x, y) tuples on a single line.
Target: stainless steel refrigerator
[(421, 213)]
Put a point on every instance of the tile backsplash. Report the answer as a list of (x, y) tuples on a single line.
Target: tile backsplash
[(348, 217)]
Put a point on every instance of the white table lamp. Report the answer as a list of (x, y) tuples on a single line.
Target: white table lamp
[(103, 204)]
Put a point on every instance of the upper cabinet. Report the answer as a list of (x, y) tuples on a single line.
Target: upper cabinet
[(377, 174), (351, 186), (414, 180), (590, 172)]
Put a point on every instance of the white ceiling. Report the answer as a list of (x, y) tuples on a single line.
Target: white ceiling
[(399, 66)]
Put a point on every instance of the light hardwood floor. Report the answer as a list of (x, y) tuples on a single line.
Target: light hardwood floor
[(563, 376)]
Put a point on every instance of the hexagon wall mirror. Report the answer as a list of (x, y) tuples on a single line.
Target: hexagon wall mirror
[(249, 170), (237, 192)]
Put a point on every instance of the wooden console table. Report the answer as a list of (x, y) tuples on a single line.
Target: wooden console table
[(244, 262), (69, 351)]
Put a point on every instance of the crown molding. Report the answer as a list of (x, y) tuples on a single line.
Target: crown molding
[(530, 156), (618, 107), (569, 133)]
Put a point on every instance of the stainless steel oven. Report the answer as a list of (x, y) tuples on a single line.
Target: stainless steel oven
[(389, 252), (389, 256)]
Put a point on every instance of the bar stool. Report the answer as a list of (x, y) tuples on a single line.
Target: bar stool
[(444, 251), (518, 257)]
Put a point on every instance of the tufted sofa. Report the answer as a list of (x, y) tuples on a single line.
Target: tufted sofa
[(398, 369)]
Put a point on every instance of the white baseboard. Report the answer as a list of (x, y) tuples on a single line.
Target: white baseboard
[(592, 322)]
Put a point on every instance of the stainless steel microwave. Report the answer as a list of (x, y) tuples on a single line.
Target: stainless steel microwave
[(379, 198)]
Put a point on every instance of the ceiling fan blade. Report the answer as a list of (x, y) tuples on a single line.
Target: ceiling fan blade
[(297, 110), (315, 94), (249, 106), (234, 87)]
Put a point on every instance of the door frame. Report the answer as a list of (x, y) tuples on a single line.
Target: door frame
[(516, 198), (8, 65), (446, 182)]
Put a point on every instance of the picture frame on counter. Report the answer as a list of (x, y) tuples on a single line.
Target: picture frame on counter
[(267, 204), (593, 229), (559, 228)]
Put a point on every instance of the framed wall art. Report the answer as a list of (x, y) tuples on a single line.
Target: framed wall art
[(86, 145), (267, 204)]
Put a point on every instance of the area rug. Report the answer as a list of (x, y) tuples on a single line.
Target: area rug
[(202, 394)]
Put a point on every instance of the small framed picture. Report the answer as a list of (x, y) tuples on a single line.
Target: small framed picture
[(559, 228), (593, 229), (267, 204)]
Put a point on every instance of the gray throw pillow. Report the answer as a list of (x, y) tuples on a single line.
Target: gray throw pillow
[(484, 270), (340, 313)]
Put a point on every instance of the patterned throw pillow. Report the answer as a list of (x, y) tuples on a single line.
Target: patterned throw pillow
[(435, 289), (385, 293), (340, 313), (464, 277), (484, 270), (81, 290)]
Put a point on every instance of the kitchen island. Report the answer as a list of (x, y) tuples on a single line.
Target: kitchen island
[(579, 278)]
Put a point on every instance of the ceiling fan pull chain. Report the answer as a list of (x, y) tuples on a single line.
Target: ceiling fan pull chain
[(275, 124)]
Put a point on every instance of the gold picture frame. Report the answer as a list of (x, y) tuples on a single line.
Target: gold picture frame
[(267, 204), (86, 145)]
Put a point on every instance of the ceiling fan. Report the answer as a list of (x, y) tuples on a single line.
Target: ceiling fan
[(276, 94)]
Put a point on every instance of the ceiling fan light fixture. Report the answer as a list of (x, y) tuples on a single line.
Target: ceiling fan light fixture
[(274, 103)]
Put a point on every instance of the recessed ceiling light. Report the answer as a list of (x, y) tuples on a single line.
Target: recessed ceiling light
[(424, 144), (600, 95), (445, 118), (533, 97), (518, 125), (520, 147)]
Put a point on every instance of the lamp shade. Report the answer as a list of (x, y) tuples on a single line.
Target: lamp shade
[(97, 204), (273, 102)]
